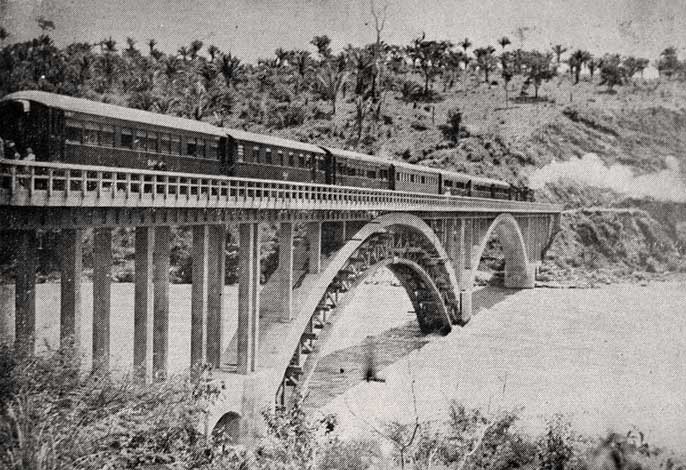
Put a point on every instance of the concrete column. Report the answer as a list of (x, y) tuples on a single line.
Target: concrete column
[(70, 287), (248, 297), (160, 339), (450, 239), (102, 285), (466, 278), (314, 236), (458, 259), (143, 304), (25, 293), (215, 293), (286, 270), (344, 231), (199, 295)]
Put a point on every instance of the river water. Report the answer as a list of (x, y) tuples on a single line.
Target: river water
[(608, 359)]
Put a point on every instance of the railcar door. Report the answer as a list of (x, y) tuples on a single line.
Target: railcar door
[(12, 124)]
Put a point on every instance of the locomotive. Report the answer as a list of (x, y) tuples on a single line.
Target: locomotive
[(65, 129)]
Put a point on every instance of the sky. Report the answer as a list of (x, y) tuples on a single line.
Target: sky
[(254, 28)]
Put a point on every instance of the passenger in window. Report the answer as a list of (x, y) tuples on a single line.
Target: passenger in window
[(12, 153), (30, 156)]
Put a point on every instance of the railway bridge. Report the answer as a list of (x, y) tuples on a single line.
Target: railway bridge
[(432, 243)]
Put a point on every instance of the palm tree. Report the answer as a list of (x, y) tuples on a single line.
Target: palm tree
[(576, 61), (109, 45), (213, 50), (558, 50), (131, 45), (485, 60), (151, 44), (281, 56), (302, 64), (230, 67), (465, 44), (183, 52), (194, 48), (504, 42), (329, 83)]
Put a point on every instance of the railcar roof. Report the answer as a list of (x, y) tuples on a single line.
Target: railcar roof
[(81, 105), (272, 140)]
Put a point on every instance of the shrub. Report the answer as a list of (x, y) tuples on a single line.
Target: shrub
[(55, 416)]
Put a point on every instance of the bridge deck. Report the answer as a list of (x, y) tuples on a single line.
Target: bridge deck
[(43, 184)]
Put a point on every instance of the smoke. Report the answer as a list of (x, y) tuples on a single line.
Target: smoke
[(665, 185)]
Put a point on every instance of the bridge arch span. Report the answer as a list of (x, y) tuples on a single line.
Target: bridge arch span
[(409, 248), (518, 270)]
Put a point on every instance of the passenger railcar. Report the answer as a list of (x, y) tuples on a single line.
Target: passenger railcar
[(258, 156), (76, 130)]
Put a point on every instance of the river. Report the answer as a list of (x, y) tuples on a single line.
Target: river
[(608, 359)]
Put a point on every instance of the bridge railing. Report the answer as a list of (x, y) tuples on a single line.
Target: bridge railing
[(47, 184)]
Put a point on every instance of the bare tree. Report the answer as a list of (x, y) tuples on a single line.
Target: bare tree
[(379, 15)]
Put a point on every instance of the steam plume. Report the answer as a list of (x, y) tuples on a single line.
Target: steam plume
[(665, 185)]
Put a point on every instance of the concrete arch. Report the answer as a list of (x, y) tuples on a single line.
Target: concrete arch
[(279, 361), (519, 273), (408, 274), (229, 425)]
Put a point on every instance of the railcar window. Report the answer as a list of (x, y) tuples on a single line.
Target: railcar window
[(397, 176), (422, 179), (176, 144), (411, 178), (256, 154), (74, 132), (291, 159), (91, 133), (281, 158), (152, 142), (371, 174), (240, 153), (140, 139), (321, 163), (301, 161), (165, 143), (191, 147), (448, 184), (107, 136), (268, 156), (126, 138), (213, 149), (384, 174)]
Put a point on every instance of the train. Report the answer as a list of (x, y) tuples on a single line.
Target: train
[(66, 129)]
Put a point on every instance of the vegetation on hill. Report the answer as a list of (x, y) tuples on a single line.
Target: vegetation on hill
[(497, 112)]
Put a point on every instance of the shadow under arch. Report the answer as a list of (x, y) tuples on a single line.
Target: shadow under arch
[(517, 268), (228, 426)]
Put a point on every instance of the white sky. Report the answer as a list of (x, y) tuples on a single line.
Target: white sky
[(254, 28)]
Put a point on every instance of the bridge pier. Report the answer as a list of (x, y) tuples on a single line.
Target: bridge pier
[(314, 237), (25, 292), (199, 295), (102, 290), (160, 339), (248, 297), (286, 270), (70, 289), (143, 317), (215, 302)]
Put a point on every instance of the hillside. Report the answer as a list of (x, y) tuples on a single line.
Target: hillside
[(455, 120)]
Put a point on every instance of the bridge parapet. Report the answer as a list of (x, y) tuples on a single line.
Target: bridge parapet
[(45, 184)]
